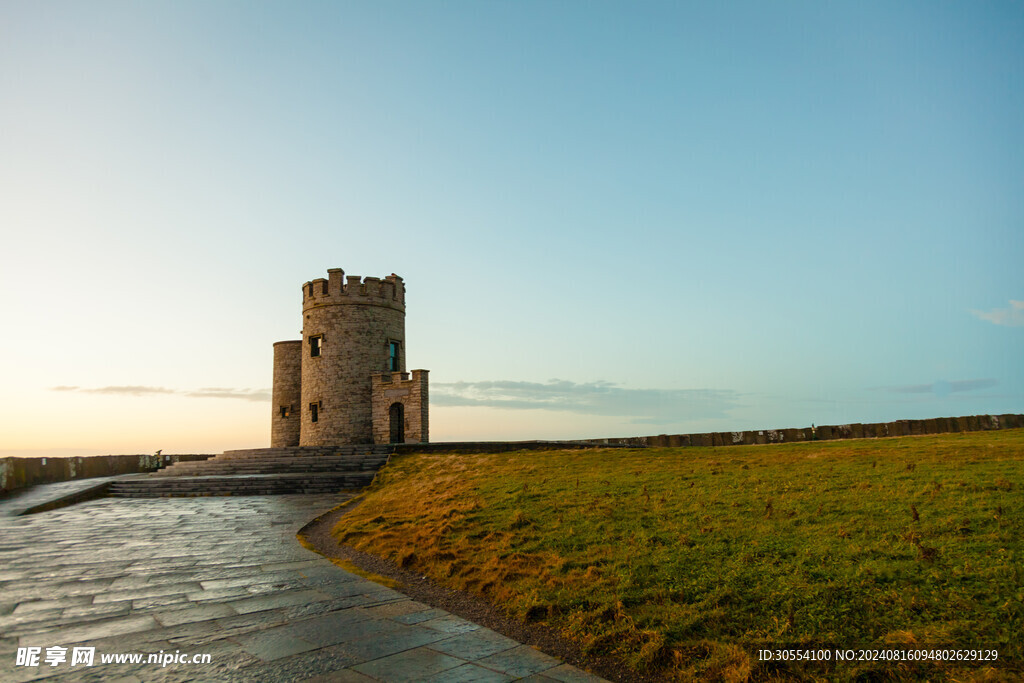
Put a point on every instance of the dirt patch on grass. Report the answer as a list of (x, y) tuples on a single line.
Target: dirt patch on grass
[(317, 536)]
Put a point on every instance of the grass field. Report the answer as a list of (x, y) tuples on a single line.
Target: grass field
[(681, 560)]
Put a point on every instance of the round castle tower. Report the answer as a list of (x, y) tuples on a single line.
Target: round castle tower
[(287, 394), (346, 377)]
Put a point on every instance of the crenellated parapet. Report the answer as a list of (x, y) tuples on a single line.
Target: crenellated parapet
[(339, 289), (398, 380)]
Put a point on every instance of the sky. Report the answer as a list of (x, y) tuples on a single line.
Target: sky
[(612, 218)]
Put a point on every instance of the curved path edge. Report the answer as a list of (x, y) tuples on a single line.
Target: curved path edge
[(316, 535)]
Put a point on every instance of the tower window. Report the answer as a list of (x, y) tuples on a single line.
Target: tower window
[(286, 411), (393, 363), (314, 345), (314, 412)]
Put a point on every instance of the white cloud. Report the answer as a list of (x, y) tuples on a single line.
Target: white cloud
[(650, 406), (222, 392), (208, 392), (1011, 317), (129, 390), (941, 387)]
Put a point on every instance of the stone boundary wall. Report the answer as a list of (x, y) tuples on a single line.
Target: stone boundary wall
[(16, 473), (938, 425), (498, 446)]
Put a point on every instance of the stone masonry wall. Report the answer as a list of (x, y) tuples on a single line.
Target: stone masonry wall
[(939, 425), (397, 387), (356, 321), (287, 393), (17, 473)]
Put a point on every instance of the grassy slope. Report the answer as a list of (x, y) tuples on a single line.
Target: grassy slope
[(670, 557)]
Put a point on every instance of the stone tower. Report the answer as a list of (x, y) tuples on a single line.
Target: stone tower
[(345, 382), (287, 393)]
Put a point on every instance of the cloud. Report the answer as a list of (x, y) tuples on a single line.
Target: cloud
[(221, 392), (130, 390), (210, 392), (1010, 317), (650, 406), (941, 387), (644, 406)]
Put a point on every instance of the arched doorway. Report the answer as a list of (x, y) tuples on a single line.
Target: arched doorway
[(397, 415)]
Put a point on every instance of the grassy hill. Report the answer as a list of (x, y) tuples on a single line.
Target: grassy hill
[(685, 561)]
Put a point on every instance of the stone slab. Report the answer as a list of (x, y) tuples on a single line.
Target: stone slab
[(519, 662), (474, 644), (408, 666)]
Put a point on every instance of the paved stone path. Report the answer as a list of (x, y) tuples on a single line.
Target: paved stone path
[(224, 577)]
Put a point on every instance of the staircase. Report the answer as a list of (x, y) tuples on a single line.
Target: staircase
[(263, 471)]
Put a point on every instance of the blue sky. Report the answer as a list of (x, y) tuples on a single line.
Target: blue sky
[(613, 218)]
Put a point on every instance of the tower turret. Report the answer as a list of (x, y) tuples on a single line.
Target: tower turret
[(287, 394)]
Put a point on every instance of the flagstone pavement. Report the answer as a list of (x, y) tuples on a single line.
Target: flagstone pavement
[(224, 577)]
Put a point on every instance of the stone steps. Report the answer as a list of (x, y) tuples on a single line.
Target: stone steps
[(304, 451), (263, 471), (232, 471), (272, 466), (358, 458), (239, 485)]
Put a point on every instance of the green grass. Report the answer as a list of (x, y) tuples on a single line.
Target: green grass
[(672, 558)]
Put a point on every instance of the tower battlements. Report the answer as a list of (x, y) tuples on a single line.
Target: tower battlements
[(339, 289)]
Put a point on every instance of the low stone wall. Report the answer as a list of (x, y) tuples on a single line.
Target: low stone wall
[(938, 425), (16, 473)]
